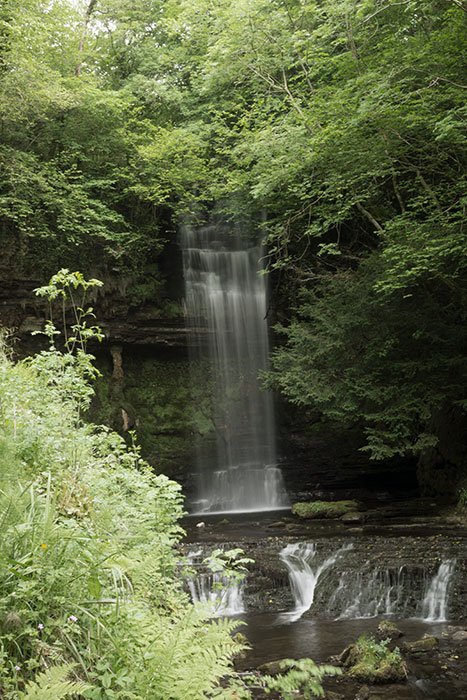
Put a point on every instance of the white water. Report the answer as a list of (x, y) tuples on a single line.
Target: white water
[(367, 592), (226, 298), (435, 601), (221, 594), (371, 592), (304, 573)]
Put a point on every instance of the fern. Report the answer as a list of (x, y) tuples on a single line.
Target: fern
[(53, 684)]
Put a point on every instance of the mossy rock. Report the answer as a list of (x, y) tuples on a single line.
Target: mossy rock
[(324, 509), (383, 673), (386, 629), (421, 646), (271, 668)]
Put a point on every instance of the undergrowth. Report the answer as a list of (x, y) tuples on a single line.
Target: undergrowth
[(90, 606)]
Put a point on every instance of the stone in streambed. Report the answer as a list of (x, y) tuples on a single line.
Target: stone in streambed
[(324, 509), (460, 636), (427, 643), (386, 629), (352, 517), (384, 673), (271, 668)]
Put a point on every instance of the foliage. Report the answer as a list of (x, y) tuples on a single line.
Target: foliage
[(344, 123), (87, 550), (374, 662), (300, 676), (53, 685)]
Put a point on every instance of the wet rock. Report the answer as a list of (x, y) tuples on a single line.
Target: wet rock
[(460, 636), (395, 692), (383, 673), (363, 693), (347, 658), (386, 629), (324, 509), (427, 643), (353, 517), (241, 639), (272, 668)]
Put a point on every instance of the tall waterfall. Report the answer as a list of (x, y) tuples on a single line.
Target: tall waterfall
[(226, 299)]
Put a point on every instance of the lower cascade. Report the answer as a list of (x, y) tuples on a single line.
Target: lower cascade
[(434, 606), (368, 591), (224, 596), (331, 582), (305, 570)]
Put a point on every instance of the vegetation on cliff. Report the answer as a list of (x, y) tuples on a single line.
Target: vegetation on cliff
[(343, 121)]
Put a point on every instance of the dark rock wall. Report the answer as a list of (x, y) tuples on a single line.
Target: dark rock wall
[(146, 387)]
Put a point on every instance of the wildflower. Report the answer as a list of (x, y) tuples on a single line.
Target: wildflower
[(17, 668), (40, 626), (44, 546), (73, 618)]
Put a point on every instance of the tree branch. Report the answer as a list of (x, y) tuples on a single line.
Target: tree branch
[(84, 33)]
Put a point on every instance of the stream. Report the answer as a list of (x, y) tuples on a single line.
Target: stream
[(314, 586), (313, 592)]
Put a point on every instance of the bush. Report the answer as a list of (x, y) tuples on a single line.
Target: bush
[(88, 591)]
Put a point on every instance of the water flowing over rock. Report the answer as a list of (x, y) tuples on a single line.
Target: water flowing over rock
[(305, 569), (226, 311), (343, 590), (224, 595), (435, 601)]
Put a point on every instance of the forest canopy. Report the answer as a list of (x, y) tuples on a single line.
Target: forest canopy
[(343, 121)]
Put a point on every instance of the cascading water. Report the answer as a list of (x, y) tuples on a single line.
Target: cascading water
[(226, 297), (349, 593), (304, 572), (435, 601), (224, 596)]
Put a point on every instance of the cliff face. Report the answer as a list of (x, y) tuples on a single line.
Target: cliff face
[(147, 387), (121, 318)]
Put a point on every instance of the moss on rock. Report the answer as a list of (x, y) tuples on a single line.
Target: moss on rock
[(324, 509)]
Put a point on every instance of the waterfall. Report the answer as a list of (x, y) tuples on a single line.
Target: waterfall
[(337, 587), (373, 591), (224, 596), (435, 601), (305, 570), (226, 300)]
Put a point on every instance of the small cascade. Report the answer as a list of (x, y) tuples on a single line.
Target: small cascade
[(434, 605), (305, 569), (226, 313), (224, 596), (337, 585), (372, 591)]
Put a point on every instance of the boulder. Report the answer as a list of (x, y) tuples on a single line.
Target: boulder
[(427, 643), (386, 629), (324, 509), (383, 673), (271, 668)]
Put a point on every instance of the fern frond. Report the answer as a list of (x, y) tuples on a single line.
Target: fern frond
[(53, 684)]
